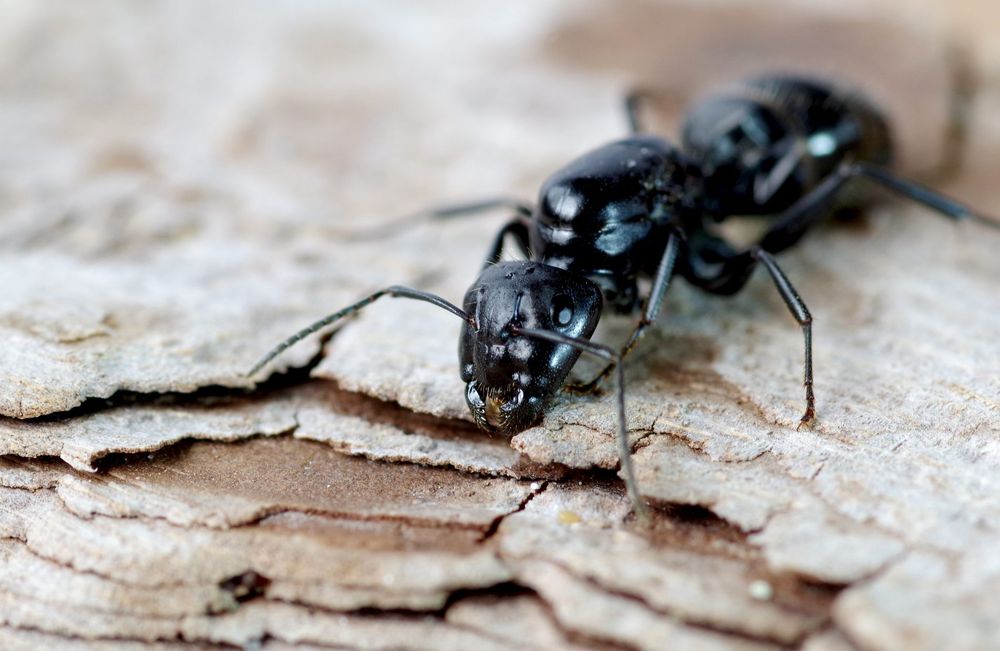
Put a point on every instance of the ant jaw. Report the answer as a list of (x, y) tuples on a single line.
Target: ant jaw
[(499, 410), (502, 410)]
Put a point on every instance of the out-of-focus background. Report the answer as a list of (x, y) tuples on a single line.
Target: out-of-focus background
[(182, 185)]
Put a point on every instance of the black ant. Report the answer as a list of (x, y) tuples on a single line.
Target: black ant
[(780, 147)]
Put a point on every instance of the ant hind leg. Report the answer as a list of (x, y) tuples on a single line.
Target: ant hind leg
[(520, 208), (792, 224)]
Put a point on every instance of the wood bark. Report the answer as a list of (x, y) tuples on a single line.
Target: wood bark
[(183, 186)]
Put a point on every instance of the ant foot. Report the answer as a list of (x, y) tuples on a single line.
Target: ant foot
[(807, 418), (584, 389)]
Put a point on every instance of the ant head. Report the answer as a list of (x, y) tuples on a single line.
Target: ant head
[(510, 378)]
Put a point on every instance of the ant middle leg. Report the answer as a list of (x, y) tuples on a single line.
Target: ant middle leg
[(650, 310), (792, 224), (737, 273), (801, 313), (634, 98), (519, 227)]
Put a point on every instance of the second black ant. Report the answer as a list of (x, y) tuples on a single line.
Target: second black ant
[(779, 147)]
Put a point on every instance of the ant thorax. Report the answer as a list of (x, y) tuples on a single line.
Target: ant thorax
[(607, 214)]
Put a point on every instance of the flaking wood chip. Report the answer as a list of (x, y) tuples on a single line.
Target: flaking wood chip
[(176, 326), (318, 411), (834, 550), (29, 474), (578, 531), (247, 626), (224, 486), (24, 575), (927, 601), (83, 440), (376, 430), (346, 560), (829, 640), (592, 612), (20, 639), (522, 621), (877, 506)]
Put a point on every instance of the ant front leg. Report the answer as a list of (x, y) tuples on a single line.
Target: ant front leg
[(650, 310), (791, 225), (624, 449)]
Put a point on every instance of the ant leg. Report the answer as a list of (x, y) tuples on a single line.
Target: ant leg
[(669, 102), (519, 228), (633, 99), (801, 313), (395, 291), (791, 225), (650, 310), (624, 449), (733, 276), (923, 195), (517, 206)]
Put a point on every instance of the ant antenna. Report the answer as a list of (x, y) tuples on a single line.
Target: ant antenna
[(606, 353), (394, 291)]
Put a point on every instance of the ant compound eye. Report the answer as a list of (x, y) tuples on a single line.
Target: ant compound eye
[(562, 311)]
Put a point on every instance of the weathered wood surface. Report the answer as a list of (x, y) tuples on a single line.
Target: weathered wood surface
[(178, 184)]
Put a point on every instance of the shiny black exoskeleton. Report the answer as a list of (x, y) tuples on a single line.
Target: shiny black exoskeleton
[(764, 144), (778, 147), (510, 379)]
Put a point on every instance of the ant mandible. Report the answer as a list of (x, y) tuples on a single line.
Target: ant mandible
[(775, 146)]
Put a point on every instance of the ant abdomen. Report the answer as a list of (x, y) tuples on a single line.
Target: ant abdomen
[(764, 143)]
